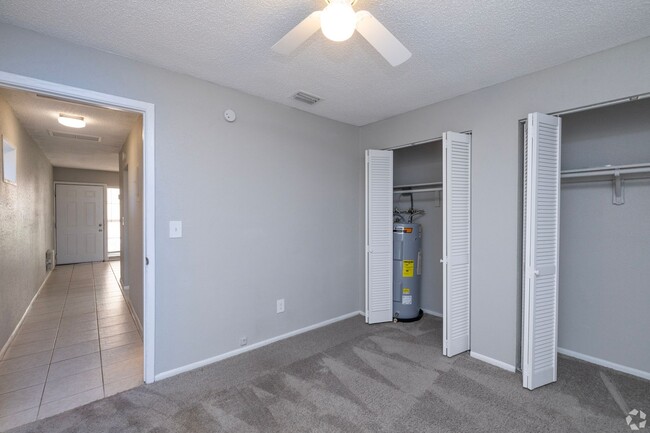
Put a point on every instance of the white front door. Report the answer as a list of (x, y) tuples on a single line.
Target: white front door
[(456, 178), (541, 242), (79, 223)]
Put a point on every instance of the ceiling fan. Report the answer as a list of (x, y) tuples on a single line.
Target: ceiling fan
[(338, 21)]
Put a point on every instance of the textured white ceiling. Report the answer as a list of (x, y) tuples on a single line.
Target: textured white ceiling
[(458, 45), (40, 115)]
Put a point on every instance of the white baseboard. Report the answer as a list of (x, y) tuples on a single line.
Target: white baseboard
[(618, 367), (125, 294), (22, 319), (432, 313), (492, 361), (195, 365)]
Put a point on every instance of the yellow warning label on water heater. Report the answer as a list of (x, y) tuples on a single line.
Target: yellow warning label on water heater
[(406, 291), (407, 268)]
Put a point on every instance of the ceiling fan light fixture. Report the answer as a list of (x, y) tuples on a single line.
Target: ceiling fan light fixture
[(338, 20), (71, 121)]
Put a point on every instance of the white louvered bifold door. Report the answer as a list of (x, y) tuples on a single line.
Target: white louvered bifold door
[(456, 241), (542, 206), (379, 236)]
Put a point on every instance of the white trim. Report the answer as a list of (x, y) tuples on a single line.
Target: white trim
[(492, 361), (618, 367), (147, 110), (432, 313), (22, 319), (199, 364)]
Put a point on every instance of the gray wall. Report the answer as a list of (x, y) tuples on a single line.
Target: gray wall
[(604, 249), (492, 115), (26, 224), (422, 164), (132, 206), (64, 174), (262, 201)]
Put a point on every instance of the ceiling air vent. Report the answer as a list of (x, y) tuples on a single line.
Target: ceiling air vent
[(306, 98), (69, 136)]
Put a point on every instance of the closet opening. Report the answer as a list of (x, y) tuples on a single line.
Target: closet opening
[(418, 239), (602, 243), (417, 201)]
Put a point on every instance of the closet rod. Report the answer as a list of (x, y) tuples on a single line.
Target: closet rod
[(606, 171), (416, 185), (414, 191)]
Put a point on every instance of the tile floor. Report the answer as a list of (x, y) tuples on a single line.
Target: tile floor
[(78, 343)]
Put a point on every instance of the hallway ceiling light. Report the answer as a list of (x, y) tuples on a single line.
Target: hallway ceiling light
[(71, 121)]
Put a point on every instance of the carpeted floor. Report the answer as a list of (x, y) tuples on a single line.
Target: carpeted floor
[(351, 377)]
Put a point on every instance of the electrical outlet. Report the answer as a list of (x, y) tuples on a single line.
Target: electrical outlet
[(243, 341), (280, 306)]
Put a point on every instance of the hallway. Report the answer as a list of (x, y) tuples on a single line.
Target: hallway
[(78, 343)]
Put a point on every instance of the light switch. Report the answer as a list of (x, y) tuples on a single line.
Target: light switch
[(176, 229)]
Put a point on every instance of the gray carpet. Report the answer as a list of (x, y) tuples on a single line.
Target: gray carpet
[(351, 377)]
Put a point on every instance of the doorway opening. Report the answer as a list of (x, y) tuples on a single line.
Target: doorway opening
[(145, 197)]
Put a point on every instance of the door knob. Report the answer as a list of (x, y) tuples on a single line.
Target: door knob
[(100, 230)]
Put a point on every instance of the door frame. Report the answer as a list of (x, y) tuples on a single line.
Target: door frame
[(105, 216), (147, 110)]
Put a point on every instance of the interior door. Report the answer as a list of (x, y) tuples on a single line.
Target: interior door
[(456, 174), (379, 236), (79, 223), (541, 273)]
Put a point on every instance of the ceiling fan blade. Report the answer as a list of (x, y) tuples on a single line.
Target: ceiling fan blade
[(381, 39), (298, 34)]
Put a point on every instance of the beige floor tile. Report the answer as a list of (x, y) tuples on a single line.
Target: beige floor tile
[(73, 366), (78, 301), (25, 362), (41, 309), (123, 369), (20, 400), (77, 400), (72, 337), (79, 311), (121, 353), (112, 305), (113, 312), (25, 337), (122, 328), (69, 352), (18, 419), (123, 385), (78, 319), (23, 379), (78, 326), (120, 340), (115, 320), (109, 299), (45, 300), (58, 389), (18, 350), (41, 317), (39, 326)]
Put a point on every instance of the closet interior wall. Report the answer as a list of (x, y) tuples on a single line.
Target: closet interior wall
[(604, 294), (415, 165)]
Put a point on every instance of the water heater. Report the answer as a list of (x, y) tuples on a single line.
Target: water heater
[(407, 271)]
